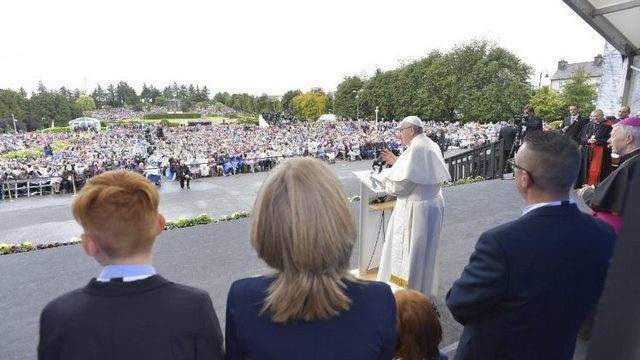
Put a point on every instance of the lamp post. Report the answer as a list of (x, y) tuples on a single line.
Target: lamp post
[(15, 128), (376, 114), (546, 76), (357, 92), (42, 120)]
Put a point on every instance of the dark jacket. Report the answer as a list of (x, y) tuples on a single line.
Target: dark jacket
[(573, 130), (530, 284), (145, 319), (366, 331)]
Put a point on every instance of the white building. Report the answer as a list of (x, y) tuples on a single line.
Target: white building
[(566, 72)]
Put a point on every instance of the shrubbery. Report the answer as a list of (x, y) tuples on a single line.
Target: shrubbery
[(57, 129), (556, 125), (37, 152)]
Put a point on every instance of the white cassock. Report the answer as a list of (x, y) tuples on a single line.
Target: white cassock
[(410, 251)]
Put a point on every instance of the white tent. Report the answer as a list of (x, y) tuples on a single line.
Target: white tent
[(327, 117), (84, 123)]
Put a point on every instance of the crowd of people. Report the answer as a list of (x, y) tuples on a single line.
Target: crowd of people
[(119, 113), (215, 150)]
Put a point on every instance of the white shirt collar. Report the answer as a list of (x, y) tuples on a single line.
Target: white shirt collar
[(543, 204)]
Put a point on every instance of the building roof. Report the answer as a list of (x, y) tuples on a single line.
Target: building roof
[(569, 70), (616, 20)]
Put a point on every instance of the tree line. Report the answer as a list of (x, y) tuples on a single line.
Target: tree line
[(475, 81)]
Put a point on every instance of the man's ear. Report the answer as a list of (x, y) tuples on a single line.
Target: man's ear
[(161, 223), (89, 246)]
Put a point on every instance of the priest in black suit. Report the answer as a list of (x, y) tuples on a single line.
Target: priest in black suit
[(573, 124), (128, 311)]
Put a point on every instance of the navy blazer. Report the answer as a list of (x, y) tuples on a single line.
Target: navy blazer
[(151, 318), (366, 331), (530, 284)]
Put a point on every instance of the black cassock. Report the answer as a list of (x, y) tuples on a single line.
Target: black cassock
[(601, 133), (611, 194)]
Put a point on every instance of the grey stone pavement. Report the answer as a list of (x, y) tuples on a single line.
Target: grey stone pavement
[(210, 257)]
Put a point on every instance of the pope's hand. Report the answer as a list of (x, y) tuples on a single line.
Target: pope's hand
[(388, 156)]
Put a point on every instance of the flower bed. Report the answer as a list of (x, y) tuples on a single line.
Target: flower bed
[(182, 222)]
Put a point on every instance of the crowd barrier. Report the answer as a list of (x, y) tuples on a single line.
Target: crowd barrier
[(486, 161)]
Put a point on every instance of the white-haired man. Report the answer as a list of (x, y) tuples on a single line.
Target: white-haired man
[(410, 252), (607, 200)]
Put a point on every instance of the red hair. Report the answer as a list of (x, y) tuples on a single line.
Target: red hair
[(418, 327)]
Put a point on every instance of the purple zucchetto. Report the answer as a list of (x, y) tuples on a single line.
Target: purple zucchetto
[(632, 121)]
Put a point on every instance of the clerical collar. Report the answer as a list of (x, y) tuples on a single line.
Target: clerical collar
[(126, 272), (629, 156), (543, 204)]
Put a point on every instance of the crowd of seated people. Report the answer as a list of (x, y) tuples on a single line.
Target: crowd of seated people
[(214, 150)]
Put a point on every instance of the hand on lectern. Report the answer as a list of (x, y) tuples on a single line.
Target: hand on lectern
[(388, 156)]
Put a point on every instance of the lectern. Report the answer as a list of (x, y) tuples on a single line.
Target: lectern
[(374, 218)]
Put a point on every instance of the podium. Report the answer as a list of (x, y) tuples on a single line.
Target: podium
[(374, 218)]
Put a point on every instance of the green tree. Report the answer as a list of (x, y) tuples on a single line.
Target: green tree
[(580, 92), (99, 96), (328, 104), (12, 102), (495, 87), (309, 106), (344, 100), (548, 104), (85, 104), (52, 106), (287, 97)]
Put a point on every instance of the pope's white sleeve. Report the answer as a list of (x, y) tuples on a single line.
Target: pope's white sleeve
[(399, 188)]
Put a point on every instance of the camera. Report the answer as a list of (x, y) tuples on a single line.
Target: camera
[(521, 119)]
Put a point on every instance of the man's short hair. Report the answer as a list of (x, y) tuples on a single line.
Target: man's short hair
[(119, 211), (529, 107), (553, 161)]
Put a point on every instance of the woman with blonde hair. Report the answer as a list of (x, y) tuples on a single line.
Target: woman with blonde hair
[(418, 327), (310, 307)]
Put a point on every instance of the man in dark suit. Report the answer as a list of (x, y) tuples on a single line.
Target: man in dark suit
[(573, 124), (128, 311), (530, 283), (508, 136), (534, 123)]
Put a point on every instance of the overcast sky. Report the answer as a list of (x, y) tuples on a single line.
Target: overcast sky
[(267, 46)]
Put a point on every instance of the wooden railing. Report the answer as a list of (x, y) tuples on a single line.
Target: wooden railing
[(486, 161)]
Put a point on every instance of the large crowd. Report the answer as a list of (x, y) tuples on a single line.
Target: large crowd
[(215, 150), (120, 113)]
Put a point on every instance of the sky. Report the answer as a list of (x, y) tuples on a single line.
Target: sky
[(268, 46)]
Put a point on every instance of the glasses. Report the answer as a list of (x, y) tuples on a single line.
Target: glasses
[(402, 128), (513, 164)]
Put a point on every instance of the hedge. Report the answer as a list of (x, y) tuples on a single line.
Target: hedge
[(38, 151), (157, 116), (556, 125), (57, 129)]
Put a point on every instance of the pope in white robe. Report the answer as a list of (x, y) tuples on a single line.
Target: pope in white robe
[(410, 255)]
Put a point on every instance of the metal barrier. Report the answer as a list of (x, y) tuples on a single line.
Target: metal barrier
[(486, 161), (29, 187)]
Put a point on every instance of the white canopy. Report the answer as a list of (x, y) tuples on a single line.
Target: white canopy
[(84, 122), (327, 117)]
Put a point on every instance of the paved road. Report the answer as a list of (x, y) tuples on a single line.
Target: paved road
[(209, 256)]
